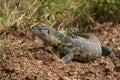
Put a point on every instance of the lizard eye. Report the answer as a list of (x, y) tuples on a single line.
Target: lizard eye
[(48, 32)]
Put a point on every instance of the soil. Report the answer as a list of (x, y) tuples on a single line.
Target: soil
[(26, 60)]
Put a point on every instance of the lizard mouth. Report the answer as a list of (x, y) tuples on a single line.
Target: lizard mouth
[(35, 30)]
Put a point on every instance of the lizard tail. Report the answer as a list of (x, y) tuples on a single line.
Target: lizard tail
[(106, 50)]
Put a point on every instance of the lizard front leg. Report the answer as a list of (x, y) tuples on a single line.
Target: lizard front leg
[(69, 56)]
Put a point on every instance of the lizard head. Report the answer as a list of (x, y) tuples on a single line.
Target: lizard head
[(50, 35), (43, 31)]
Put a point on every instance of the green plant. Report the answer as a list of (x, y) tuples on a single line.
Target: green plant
[(106, 10)]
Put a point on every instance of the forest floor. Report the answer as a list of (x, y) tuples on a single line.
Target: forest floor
[(27, 61)]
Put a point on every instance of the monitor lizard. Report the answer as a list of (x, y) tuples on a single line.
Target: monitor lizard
[(82, 48)]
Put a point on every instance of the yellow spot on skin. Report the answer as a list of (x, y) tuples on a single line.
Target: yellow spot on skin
[(89, 54), (90, 49), (85, 52), (98, 55), (82, 46), (95, 48), (87, 42)]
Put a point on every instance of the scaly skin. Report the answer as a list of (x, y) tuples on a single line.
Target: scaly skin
[(90, 47), (82, 48)]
